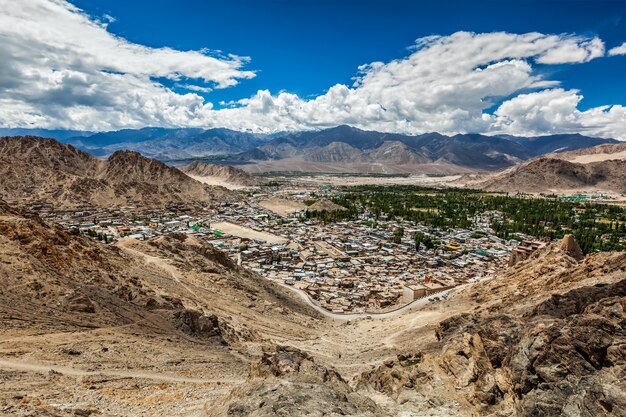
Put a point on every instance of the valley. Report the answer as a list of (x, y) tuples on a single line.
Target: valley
[(303, 293), (312, 208)]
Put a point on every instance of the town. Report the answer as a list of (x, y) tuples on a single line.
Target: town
[(357, 266)]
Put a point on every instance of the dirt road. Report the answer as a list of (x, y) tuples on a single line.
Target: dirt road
[(139, 374), (414, 305)]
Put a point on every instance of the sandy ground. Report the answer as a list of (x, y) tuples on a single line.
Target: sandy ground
[(159, 376), (299, 165), (217, 181), (281, 206), (360, 180), (586, 159), (246, 232)]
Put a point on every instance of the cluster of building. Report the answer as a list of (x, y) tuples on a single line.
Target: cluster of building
[(345, 267), (114, 224)]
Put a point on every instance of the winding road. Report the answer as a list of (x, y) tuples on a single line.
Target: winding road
[(416, 304)]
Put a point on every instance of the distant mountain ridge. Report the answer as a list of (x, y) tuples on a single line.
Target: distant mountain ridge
[(345, 144), (169, 144), (364, 150)]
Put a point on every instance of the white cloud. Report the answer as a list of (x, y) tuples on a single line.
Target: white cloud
[(618, 50), (64, 69), (573, 50), (192, 87), (556, 111), (446, 84)]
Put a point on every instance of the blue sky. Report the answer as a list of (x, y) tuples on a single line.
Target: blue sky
[(491, 67), (306, 46)]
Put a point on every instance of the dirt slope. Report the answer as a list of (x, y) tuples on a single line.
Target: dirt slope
[(170, 318), (205, 172)]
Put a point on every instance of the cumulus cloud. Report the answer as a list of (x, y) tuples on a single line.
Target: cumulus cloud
[(556, 111), (446, 84), (62, 68), (618, 50)]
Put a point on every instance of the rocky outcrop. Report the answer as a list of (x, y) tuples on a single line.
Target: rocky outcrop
[(288, 382), (571, 247), (395, 375), (543, 365), (546, 337), (574, 365)]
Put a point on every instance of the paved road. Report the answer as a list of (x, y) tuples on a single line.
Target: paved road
[(417, 304)]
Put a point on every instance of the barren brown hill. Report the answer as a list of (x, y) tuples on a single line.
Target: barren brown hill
[(228, 174), (80, 321), (549, 174), (38, 170), (171, 326)]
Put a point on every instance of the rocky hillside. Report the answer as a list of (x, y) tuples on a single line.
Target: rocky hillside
[(226, 173), (545, 338), (551, 174), (81, 321), (289, 382), (36, 170), (62, 274)]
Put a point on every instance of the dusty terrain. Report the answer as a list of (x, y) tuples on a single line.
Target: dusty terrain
[(171, 327), (248, 233), (222, 175), (282, 206)]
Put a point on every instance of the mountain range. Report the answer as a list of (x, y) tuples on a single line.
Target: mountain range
[(338, 149), (44, 171), (345, 144)]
